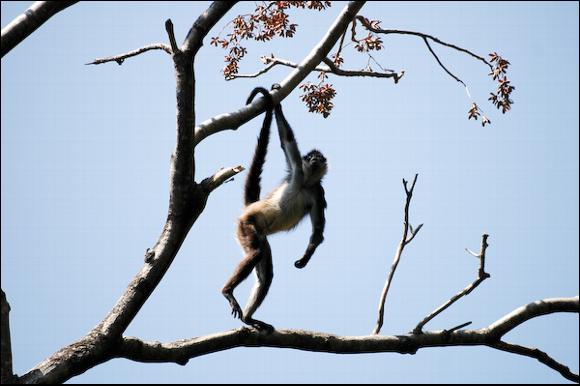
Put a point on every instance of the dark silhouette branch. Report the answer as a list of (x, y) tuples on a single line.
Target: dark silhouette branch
[(406, 239), (541, 356), (7, 376), (28, 22), (330, 68), (481, 276), (181, 351), (369, 27), (187, 201)]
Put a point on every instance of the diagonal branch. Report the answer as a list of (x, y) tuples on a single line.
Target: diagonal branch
[(182, 351), (481, 276), (233, 120), (121, 58), (220, 177), (540, 355), (402, 244), (28, 22)]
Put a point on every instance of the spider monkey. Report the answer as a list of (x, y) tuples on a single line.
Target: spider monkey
[(300, 193)]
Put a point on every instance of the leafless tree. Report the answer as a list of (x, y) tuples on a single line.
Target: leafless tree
[(189, 194)]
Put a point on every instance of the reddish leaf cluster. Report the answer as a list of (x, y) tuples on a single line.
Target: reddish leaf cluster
[(501, 99), (475, 112), (266, 22), (318, 98), (371, 42)]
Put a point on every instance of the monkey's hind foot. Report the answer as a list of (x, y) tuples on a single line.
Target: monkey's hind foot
[(259, 325)]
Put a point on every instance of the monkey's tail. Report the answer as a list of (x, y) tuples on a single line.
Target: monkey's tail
[(252, 188)]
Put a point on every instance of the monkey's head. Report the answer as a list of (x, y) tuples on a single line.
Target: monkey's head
[(314, 166)]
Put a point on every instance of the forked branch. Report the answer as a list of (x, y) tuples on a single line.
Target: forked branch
[(406, 239), (481, 276)]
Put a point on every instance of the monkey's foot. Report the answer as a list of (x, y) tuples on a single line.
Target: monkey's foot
[(236, 309), (259, 325)]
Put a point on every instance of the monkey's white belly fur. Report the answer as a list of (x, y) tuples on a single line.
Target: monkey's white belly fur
[(281, 210)]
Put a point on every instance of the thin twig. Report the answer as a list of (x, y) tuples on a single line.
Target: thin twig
[(482, 275), (424, 36), (121, 58), (441, 64), (330, 69), (540, 355), (404, 241)]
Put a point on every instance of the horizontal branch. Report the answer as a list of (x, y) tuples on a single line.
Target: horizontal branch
[(330, 68), (121, 58), (181, 351)]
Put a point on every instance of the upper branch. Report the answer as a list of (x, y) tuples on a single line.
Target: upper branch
[(368, 26), (233, 120), (28, 22)]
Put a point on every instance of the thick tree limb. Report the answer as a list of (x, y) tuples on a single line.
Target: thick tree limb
[(7, 376), (181, 351), (121, 58), (28, 22), (187, 201), (233, 120), (406, 239), (481, 276), (330, 68)]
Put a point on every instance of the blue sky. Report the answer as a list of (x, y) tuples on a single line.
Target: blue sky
[(85, 156)]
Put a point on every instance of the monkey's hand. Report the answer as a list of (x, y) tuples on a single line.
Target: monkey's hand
[(307, 255), (300, 263)]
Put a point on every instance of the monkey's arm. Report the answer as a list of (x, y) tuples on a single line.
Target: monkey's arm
[(318, 222), (289, 145)]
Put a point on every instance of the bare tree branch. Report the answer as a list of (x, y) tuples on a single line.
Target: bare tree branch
[(541, 356), (121, 58), (330, 68), (233, 120), (181, 351), (481, 276), (7, 376), (28, 22), (369, 27), (222, 176), (187, 201), (404, 241)]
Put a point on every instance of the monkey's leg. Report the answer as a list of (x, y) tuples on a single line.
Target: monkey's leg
[(264, 276), (250, 241)]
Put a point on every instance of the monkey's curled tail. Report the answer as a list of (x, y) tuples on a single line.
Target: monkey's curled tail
[(252, 188)]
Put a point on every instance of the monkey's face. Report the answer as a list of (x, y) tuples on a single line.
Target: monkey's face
[(314, 165)]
